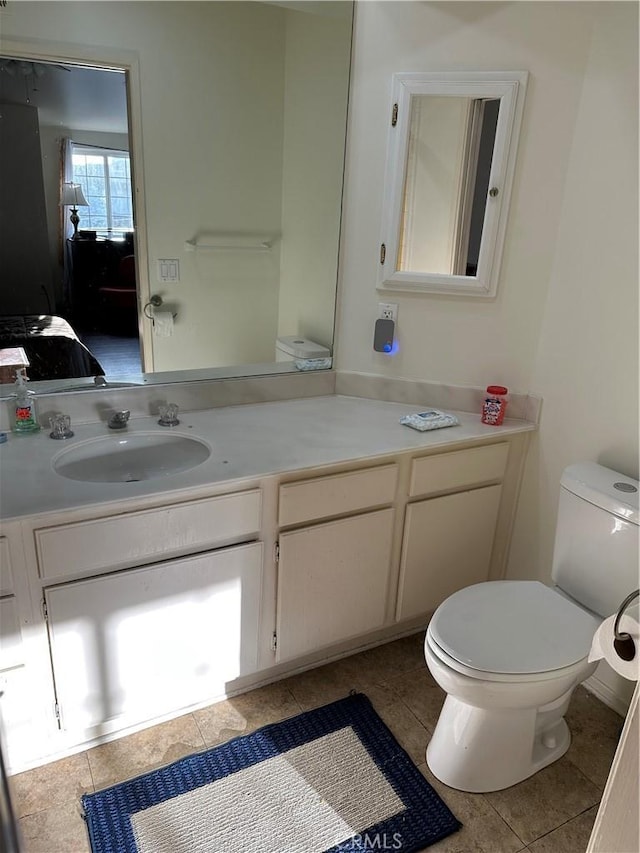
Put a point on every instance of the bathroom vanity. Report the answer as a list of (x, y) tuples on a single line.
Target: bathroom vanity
[(315, 527)]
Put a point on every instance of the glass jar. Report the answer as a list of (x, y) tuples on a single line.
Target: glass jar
[(494, 405)]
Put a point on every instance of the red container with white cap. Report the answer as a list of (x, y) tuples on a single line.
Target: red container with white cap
[(494, 405)]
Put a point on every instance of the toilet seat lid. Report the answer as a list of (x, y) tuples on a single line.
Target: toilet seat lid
[(512, 627)]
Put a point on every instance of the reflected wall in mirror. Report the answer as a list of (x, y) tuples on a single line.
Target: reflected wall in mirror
[(237, 132), (450, 162)]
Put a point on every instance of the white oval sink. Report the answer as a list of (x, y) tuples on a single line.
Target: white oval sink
[(130, 458)]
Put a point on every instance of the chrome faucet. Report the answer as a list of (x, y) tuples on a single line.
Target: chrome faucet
[(118, 420)]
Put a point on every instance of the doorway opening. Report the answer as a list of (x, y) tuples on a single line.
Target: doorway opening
[(71, 121)]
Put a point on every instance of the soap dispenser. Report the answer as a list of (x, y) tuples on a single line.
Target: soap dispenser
[(25, 415)]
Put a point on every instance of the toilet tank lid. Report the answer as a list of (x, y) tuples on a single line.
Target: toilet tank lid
[(512, 627), (299, 347), (607, 489)]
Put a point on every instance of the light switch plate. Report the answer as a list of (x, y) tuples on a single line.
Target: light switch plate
[(168, 270)]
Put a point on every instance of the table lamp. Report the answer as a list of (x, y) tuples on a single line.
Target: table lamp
[(73, 197)]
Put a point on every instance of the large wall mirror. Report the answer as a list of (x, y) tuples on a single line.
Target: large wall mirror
[(232, 117), (450, 162)]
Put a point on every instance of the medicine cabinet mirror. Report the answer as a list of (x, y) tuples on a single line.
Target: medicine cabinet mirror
[(450, 161)]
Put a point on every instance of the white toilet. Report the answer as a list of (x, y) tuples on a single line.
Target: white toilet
[(509, 653)]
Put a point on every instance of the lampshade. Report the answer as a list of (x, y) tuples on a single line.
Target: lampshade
[(73, 196)]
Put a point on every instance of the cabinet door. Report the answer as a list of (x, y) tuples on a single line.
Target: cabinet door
[(332, 582), (11, 652), (447, 546), (19, 733), (132, 645)]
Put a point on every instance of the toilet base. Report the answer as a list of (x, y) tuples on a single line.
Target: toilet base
[(479, 750)]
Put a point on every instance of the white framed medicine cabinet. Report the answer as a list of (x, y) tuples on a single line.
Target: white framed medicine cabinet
[(450, 161)]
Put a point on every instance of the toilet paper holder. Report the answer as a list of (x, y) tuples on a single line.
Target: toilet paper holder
[(154, 302), (623, 642)]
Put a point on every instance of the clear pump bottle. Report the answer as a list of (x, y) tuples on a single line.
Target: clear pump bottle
[(25, 413)]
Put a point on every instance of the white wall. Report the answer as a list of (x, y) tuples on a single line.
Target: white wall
[(446, 339), (586, 365), (212, 95), (565, 321), (316, 68)]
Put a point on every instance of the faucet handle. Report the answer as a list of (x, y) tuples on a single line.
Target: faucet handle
[(118, 420), (60, 426), (168, 415)]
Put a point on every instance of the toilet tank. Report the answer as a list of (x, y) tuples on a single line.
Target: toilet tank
[(292, 347), (595, 558)]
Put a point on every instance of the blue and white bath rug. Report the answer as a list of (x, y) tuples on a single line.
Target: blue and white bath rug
[(330, 780)]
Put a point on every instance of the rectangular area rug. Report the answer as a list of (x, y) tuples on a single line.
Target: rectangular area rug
[(329, 780)]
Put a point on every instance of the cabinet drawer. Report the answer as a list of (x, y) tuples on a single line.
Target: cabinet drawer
[(10, 636), (139, 537), (6, 578), (341, 493), (458, 470)]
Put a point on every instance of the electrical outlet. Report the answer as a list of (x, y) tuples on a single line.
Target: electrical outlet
[(388, 311)]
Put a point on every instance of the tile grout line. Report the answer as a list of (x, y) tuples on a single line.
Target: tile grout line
[(564, 823), (598, 785), (195, 720), (420, 723), (290, 692), (507, 824), (93, 781)]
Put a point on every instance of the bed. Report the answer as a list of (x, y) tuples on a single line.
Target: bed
[(52, 347)]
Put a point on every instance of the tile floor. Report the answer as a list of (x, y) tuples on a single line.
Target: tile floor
[(552, 812)]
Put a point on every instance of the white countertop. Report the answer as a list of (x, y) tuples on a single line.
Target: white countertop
[(247, 442)]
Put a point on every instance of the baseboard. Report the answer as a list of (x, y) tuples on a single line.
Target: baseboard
[(606, 694)]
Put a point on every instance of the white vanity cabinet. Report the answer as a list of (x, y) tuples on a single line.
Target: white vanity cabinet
[(333, 577), (123, 613), (448, 538)]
